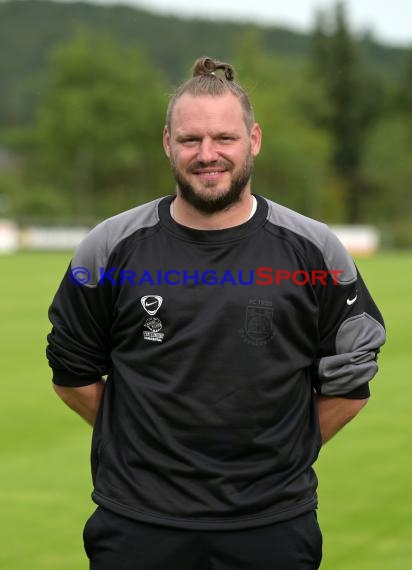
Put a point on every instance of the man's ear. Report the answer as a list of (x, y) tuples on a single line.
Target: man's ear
[(166, 141), (255, 139)]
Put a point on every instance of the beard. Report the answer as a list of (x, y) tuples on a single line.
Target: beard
[(209, 203)]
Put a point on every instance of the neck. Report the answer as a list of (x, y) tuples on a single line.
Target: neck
[(234, 215)]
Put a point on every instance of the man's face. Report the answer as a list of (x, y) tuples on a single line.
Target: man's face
[(211, 150)]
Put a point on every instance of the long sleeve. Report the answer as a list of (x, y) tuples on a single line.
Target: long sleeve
[(351, 333)]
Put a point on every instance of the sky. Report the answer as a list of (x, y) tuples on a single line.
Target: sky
[(389, 20)]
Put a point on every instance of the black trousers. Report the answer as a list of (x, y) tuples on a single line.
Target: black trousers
[(113, 542)]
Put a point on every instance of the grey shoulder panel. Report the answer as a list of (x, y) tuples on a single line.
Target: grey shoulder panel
[(94, 251), (358, 341), (334, 253)]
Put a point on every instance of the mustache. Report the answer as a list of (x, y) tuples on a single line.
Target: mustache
[(198, 165)]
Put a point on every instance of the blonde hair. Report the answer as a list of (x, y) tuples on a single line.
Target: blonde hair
[(215, 78)]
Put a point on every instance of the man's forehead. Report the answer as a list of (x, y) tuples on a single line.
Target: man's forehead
[(194, 109)]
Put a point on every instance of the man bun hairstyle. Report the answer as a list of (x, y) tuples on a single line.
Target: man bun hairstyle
[(208, 66), (213, 78)]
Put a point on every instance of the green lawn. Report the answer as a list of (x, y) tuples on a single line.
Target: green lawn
[(365, 472)]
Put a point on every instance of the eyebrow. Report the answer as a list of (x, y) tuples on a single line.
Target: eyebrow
[(217, 135)]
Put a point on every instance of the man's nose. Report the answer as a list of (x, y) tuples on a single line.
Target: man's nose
[(207, 151)]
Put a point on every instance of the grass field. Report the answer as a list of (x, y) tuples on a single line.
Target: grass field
[(365, 473)]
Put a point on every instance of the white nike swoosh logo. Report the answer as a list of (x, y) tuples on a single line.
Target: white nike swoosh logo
[(149, 304), (351, 301)]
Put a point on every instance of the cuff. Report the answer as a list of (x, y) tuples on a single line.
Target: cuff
[(65, 378)]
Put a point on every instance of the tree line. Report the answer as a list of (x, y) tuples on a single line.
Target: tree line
[(337, 131)]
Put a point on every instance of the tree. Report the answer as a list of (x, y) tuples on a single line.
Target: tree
[(98, 128), (291, 166), (405, 92), (352, 99)]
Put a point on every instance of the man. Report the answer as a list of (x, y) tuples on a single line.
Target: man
[(236, 336)]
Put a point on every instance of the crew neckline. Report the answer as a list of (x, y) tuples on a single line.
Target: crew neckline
[(252, 210), (256, 220)]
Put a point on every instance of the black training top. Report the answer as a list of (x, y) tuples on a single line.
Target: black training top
[(213, 343)]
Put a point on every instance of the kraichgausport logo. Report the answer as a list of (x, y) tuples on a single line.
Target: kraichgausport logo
[(264, 276)]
